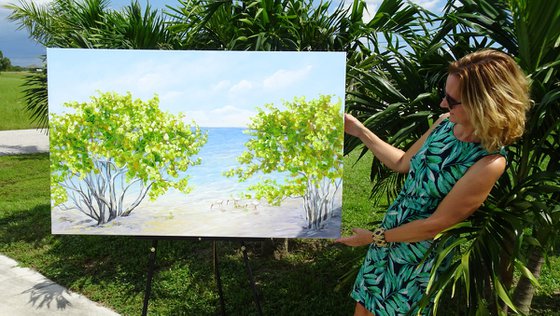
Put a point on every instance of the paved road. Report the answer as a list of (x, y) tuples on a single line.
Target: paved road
[(25, 292)]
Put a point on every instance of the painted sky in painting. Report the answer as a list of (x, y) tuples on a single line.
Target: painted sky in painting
[(213, 88)]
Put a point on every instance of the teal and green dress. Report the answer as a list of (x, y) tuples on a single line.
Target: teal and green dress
[(393, 279)]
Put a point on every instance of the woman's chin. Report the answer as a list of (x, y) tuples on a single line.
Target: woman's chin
[(452, 118)]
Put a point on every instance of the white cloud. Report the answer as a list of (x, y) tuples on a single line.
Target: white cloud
[(227, 116), (152, 79), (373, 5), (429, 4), (241, 86), (285, 78), (370, 10)]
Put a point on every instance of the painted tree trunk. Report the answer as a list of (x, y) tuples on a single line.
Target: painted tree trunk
[(101, 195), (318, 201)]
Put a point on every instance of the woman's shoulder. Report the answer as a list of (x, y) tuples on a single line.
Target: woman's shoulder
[(441, 122), (494, 163)]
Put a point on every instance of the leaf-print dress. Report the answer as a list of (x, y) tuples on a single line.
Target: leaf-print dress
[(393, 279)]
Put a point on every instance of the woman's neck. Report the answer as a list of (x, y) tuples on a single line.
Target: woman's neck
[(465, 133)]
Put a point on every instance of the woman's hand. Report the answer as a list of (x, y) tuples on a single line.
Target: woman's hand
[(352, 126), (361, 237)]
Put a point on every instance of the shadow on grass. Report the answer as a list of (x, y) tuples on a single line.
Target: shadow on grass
[(7, 150), (113, 270), (548, 305), (81, 263), (31, 156), (29, 226), (301, 282)]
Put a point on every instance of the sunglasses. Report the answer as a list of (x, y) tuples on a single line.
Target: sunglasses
[(451, 103)]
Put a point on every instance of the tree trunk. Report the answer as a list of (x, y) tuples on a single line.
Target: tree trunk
[(523, 294), (506, 268)]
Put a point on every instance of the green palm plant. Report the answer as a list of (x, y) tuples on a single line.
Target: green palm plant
[(135, 28), (62, 23), (523, 207), (394, 95), (269, 25)]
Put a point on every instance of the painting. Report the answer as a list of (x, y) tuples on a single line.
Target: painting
[(196, 143)]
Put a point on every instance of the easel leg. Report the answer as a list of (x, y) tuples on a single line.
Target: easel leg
[(151, 265), (251, 279), (218, 279)]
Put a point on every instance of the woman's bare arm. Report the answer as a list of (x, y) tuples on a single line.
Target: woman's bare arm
[(465, 198), (394, 158)]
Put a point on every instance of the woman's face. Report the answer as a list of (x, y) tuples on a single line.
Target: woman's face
[(452, 101)]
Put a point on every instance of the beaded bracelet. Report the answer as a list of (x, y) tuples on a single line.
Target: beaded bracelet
[(379, 237)]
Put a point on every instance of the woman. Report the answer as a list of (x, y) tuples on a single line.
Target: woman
[(451, 170)]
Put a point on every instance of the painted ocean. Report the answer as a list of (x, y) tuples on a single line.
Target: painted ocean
[(219, 155)]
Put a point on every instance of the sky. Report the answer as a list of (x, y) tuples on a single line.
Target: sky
[(215, 89), (22, 51)]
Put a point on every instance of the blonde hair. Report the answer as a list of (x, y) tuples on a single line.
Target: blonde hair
[(495, 96)]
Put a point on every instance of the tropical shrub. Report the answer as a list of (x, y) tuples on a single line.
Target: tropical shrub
[(110, 153), (304, 140)]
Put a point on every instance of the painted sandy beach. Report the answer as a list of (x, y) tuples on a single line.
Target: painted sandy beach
[(203, 219)]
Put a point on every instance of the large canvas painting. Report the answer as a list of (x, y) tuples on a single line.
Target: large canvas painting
[(196, 143)]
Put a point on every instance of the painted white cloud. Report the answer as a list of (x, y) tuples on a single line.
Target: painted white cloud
[(172, 97), (285, 78), (241, 86), (222, 85), (227, 116)]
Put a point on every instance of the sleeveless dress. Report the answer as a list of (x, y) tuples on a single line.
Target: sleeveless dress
[(393, 279)]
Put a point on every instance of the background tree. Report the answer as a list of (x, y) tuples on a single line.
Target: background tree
[(5, 62), (305, 142), (110, 153)]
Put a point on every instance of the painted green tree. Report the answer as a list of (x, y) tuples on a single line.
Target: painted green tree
[(304, 141), (108, 154)]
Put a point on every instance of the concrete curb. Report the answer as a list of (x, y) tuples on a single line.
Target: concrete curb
[(26, 292), (25, 141)]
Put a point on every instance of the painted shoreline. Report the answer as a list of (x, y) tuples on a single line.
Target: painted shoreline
[(208, 218)]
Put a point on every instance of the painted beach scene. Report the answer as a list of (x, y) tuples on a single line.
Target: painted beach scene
[(196, 143)]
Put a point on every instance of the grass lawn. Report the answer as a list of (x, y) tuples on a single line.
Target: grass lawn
[(12, 104), (112, 270)]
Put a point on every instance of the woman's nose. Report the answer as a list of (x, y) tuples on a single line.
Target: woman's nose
[(443, 103)]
